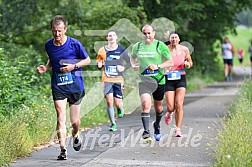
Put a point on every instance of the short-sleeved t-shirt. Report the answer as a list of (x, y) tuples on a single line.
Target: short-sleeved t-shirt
[(151, 54), (227, 51), (70, 52)]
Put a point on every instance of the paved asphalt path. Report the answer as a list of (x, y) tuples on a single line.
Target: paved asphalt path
[(203, 110)]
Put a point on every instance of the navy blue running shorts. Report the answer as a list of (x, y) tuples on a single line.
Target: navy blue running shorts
[(115, 88)]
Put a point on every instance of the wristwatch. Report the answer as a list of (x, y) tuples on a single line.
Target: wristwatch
[(76, 66), (158, 66)]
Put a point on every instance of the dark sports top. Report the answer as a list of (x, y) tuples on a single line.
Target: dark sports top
[(70, 52), (111, 59)]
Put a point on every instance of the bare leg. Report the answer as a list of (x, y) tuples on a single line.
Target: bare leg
[(230, 68), (170, 99), (118, 102), (179, 100), (60, 106), (158, 106), (74, 118), (226, 71), (146, 102)]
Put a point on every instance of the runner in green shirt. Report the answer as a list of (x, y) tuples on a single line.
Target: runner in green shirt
[(151, 57)]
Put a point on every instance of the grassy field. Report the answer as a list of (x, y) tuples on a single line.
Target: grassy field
[(242, 40)]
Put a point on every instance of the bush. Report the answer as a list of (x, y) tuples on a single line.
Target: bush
[(29, 127), (19, 82)]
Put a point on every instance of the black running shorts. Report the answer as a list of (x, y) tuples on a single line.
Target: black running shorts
[(172, 85), (228, 61), (74, 98)]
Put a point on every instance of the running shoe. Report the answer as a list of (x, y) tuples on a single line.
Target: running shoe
[(178, 133), (63, 155), (146, 136), (168, 118), (157, 133), (113, 128), (120, 113), (77, 142), (230, 78)]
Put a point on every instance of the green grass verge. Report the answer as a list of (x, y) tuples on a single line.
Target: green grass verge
[(30, 127), (233, 144)]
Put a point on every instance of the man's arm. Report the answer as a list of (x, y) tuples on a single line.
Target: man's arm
[(133, 58), (42, 68), (71, 67), (134, 63), (83, 62), (168, 63)]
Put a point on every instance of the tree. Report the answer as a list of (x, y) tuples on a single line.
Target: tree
[(30, 25), (201, 23)]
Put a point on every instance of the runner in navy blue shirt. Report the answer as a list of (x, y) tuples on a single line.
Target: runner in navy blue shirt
[(113, 59), (66, 56)]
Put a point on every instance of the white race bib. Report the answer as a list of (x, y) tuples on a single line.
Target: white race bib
[(174, 75)]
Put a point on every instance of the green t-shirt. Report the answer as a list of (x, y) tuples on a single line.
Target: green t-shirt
[(151, 54)]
